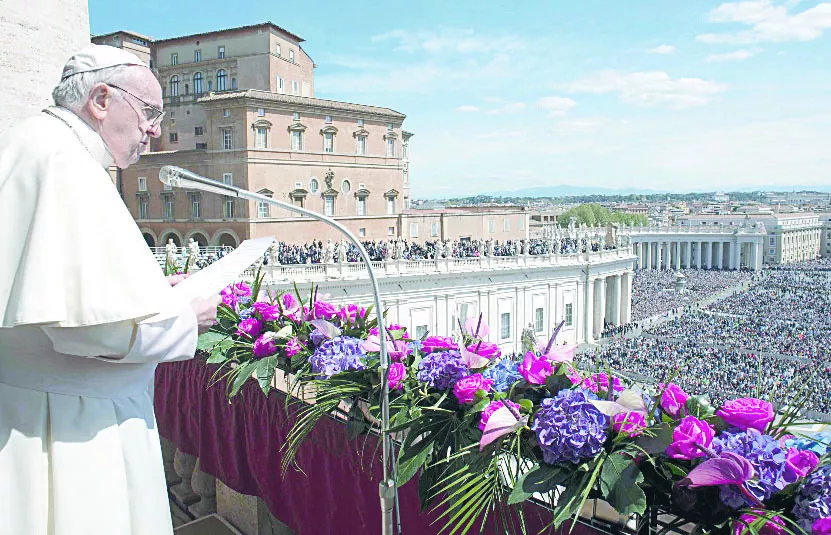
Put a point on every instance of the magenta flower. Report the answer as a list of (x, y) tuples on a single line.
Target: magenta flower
[(466, 387), (392, 328), (323, 310), (267, 311), (799, 463), (630, 423), (289, 302), (437, 343), (485, 349), (673, 399), (600, 381), (688, 436), (491, 408), (265, 345), (396, 350), (534, 369), (250, 328), (232, 293), (747, 413), (292, 347), (774, 526), (821, 526), (350, 313), (395, 375), (476, 327)]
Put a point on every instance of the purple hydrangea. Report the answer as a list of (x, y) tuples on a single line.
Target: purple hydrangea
[(317, 337), (503, 374), (441, 370), (569, 427), (767, 458), (340, 354), (814, 499), (246, 313)]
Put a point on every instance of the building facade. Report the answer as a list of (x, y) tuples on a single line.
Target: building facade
[(825, 237), (513, 293), (790, 237)]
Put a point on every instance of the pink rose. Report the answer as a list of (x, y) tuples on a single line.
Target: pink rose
[(600, 381), (437, 343), (465, 388), (774, 526), (264, 346), (492, 407), (673, 399), (485, 349), (799, 463), (324, 310), (268, 312), (292, 347), (250, 327), (687, 436), (395, 375), (534, 369), (747, 413), (821, 526), (630, 423)]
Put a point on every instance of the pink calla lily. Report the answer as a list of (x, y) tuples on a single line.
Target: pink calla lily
[(396, 350), (726, 469), (560, 353), (500, 423)]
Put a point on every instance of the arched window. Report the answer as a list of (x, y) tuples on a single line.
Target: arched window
[(314, 185), (221, 77), (197, 83), (174, 86)]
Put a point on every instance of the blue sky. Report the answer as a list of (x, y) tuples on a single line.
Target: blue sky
[(665, 95)]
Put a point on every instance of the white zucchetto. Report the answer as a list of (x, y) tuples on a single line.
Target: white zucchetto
[(97, 57)]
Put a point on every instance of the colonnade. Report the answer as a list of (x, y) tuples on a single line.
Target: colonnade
[(669, 253), (608, 300)]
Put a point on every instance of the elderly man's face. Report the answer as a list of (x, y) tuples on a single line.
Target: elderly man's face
[(124, 128)]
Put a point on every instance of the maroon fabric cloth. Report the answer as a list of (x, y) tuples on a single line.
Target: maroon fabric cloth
[(239, 443)]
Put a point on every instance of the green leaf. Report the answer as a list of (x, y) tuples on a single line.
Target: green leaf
[(657, 442), (555, 383), (619, 483), (526, 405), (409, 465), (541, 478), (264, 371), (219, 352), (699, 406), (242, 374), (209, 339)]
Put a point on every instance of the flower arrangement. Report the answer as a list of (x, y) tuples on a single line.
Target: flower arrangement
[(485, 432)]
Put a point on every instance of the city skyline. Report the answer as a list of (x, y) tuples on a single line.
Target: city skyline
[(716, 96)]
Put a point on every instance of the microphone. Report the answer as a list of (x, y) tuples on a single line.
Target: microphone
[(182, 178)]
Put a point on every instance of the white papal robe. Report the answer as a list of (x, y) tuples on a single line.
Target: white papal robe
[(79, 342)]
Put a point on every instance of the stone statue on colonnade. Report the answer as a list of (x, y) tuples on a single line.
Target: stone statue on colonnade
[(170, 250), (328, 252), (342, 251)]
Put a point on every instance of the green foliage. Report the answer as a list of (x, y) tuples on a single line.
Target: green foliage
[(594, 214), (619, 483)]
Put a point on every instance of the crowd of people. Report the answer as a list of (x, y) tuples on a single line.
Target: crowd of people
[(315, 252), (653, 291), (721, 373), (768, 339), (820, 264)]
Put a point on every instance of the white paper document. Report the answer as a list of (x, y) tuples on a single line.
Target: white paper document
[(211, 280)]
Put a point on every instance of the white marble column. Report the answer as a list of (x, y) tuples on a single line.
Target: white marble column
[(708, 254), (647, 264), (717, 255), (616, 299), (599, 305), (687, 254), (626, 297), (588, 311), (677, 255), (737, 259)]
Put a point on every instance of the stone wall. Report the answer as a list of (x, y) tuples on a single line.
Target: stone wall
[(36, 39)]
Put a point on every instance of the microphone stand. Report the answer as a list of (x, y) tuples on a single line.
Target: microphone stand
[(182, 178)]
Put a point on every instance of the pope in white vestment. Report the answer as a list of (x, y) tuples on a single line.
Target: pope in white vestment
[(79, 290)]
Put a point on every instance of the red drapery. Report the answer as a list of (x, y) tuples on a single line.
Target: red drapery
[(239, 443)]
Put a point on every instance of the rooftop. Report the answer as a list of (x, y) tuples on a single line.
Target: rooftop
[(267, 24), (257, 94)]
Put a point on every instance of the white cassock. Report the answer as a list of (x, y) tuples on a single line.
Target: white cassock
[(79, 448)]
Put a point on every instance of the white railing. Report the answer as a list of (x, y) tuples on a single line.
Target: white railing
[(395, 268), (693, 229)]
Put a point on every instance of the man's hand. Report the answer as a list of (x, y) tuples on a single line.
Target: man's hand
[(173, 280), (205, 310)]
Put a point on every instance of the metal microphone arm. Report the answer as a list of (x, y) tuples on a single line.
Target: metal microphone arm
[(182, 178)]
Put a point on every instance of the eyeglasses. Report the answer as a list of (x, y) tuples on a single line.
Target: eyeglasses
[(149, 112)]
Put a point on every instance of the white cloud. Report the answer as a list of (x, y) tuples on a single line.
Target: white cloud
[(508, 108), (556, 105), (459, 40), (649, 89), (662, 49), (738, 55), (768, 22), (467, 108)]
